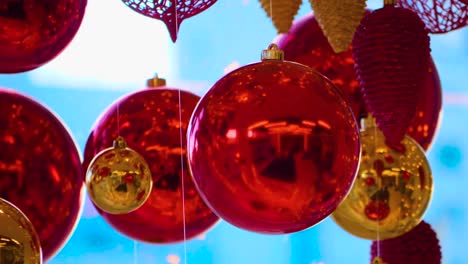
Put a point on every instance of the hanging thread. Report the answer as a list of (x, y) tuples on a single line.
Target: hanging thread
[(182, 167)]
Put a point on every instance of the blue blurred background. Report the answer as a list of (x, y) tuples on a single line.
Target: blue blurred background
[(114, 53)]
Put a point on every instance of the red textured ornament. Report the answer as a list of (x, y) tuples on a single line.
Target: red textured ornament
[(440, 16), (34, 32), (273, 147), (149, 122), (392, 55), (40, 169), (420, 245), (171, 12), (307, 44)]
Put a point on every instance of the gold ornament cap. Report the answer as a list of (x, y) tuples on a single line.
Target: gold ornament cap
[(368, 122), (272, 53), (120, 143), (378, 260), (390, 2), (155, 82)]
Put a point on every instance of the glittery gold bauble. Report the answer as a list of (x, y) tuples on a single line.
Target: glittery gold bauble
[(282, 12), (339, 20), (391, 192), (19, 242), (118, 179)]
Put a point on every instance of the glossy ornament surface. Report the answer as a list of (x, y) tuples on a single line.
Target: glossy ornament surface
[(273, 147), (307, 44), (149, 122), (391, 52), (171, 12), (420, 245), (40, 169), (118, 179), (34, 32), (392, 190), (19, 242)]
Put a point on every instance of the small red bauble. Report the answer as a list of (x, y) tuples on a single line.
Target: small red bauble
[(420, 245), (392, 55), (273, 147), (439, 16), (171, 12), (40, 169), (149, 122), (307, 44), (34, 32)]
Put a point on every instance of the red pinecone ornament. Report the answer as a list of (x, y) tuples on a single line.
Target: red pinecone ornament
[(391, 52), (171, 12), (420, 245), (440, 16)]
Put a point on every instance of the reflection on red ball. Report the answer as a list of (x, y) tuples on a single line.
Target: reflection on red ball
[(273, 147), (306, 44), (149, 122), (34, 32), (40, 169)]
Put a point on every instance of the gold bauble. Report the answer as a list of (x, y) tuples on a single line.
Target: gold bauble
[(282, 12), (19, 242), (378, 260), (339, 20), (392, 189), (118, 179)]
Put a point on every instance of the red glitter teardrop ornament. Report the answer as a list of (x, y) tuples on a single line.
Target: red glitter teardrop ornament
[(307, 44), (392, 54), (40, 169), (420, 245), (273, 146), (440, 16), (34, 32), (171, 12), (149, 122)]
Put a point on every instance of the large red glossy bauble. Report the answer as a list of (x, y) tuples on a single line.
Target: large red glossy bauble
[(40, 169), (307, 44), (149, 122), (273, 147), (34, 32)]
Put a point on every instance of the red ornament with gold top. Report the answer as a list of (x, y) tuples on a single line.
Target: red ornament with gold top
[(34, 32), (149, 122), (273, 147), (305, 43)]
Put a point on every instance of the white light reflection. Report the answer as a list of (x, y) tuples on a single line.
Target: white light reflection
[(115, 48)]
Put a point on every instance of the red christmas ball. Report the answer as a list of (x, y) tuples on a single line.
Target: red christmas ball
[(305, 43), (35, 32), (40, 169), (420, 245), (273, 147), (149, 122), (392, 55)]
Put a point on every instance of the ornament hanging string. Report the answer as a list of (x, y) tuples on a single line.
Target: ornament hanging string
[(378, 194), (182, 167)]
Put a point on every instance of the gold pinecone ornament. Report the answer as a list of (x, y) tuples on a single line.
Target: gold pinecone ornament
[(339, 20), (282, 12)]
